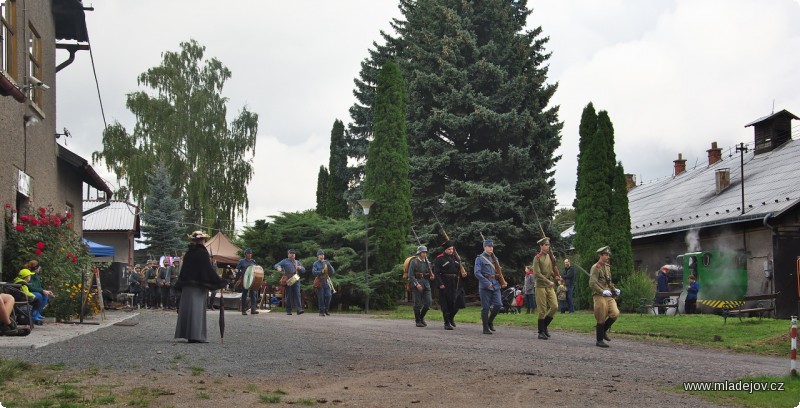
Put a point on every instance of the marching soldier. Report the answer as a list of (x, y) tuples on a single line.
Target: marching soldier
[(419, 277), (446, 268), (487, 270), (545, 275), (322, 270), (605, 307), (241, 268)]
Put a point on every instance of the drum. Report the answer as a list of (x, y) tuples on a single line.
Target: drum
[(292, 280), (253, 277)]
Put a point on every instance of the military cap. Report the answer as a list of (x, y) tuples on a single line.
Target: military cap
[(604, 250), (320, 252), (291, 251), (248, 251), (447, 244), (544, 241), (421, 249), (488, 242)]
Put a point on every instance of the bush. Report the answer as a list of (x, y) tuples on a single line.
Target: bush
[(635, 287)]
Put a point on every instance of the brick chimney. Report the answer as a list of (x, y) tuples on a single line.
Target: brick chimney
[(714, 153), (630, 181), (680, 164)]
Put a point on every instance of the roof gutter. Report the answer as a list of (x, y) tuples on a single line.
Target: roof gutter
[(766, 224), (99, 207)]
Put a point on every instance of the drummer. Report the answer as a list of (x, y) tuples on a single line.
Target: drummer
[(241, 268), (290, 267)]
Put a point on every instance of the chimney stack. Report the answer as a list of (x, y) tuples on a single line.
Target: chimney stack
[(680, 164), (714, 153), (630, 181)]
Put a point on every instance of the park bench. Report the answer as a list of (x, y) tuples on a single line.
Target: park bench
[(764, 304), (646, 305)]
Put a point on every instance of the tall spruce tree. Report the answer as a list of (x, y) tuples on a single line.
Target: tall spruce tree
[(322, 191), (620, 223), (162, 216), (386, 175), (586, 130), (338, 175)]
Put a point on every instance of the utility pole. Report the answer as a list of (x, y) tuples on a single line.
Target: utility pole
[(742, 149)]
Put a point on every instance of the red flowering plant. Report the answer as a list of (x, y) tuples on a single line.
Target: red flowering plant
[(47, 236)]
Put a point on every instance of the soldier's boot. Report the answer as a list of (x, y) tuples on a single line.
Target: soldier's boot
[(452, 318), (416, 318), (607, 326), (446, 318), (541, 336), (422, 314), (492, 315), (547, 321), (600, 332), (244, 309), (485, 320), (253, 309)]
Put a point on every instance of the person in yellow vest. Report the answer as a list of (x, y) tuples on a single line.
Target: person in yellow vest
[(545, 275), (603, 290)]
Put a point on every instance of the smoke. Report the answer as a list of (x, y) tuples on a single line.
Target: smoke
[(692, 240)]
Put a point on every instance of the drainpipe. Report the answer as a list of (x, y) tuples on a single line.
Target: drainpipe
[(771, 228)]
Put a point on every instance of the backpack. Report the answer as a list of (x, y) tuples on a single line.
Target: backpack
[(406, 265)]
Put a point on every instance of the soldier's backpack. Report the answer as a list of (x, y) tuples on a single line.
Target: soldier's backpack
[(406, 265)]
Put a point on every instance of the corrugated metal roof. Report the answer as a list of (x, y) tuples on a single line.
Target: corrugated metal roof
[(689, 200), (118, 216)]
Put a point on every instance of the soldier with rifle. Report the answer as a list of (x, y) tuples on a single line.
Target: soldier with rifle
[(490, 283), (603, 290), (546, 274), (419, 277), (447, 269)]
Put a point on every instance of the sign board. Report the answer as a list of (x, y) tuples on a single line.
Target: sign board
[(24, 184)]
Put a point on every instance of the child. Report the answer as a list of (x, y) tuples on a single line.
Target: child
[(519, 301), (561, 293), (690, 304)]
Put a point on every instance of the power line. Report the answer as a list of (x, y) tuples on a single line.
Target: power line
[(96, 82)]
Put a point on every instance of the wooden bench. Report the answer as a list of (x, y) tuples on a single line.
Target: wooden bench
[(646, 305), (764, 304)]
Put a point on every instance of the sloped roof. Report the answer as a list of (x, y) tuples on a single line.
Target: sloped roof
[(83, 169), (689, 200), (70, 20), (117, 216), (222, 249)]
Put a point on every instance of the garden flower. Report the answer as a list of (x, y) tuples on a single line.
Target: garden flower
[(38, 252), (20, 228), (40, 245)]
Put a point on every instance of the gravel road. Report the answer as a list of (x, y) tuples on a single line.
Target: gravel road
[(352, 360)]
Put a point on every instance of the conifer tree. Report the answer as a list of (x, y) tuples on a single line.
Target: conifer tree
[(162, 218), (386, 173), (336, 206), (322, 191), (620, 223)]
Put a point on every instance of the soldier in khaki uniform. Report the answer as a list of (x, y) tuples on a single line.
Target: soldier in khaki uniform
[(605, 307), (545, 274)]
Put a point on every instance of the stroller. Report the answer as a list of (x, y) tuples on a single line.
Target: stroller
[(507, 296), (21, 314)]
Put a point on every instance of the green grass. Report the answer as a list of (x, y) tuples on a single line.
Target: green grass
[(269, 399), (197, 370), (789, 397), (754, 336)]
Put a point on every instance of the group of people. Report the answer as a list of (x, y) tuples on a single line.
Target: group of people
[(30, 285), (153, 286)]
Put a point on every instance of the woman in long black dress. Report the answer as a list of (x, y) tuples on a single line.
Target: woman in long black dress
[(197, 277)]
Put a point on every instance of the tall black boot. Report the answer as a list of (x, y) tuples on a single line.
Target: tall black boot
[(607, 326), (446, 318), (453, 318), (417, 319), (422, 314), (253, 309), (492, 315), (541, 335), (547, 321), (600, 332), (485, 320)]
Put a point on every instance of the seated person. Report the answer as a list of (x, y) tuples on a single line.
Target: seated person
[(23, 278), (7, 326), (36, 286)]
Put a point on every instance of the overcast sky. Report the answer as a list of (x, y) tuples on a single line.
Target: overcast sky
[(674, 76)]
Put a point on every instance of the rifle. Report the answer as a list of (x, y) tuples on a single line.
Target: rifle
[(552, 258), (455, 253), (499, 270), (428, 264)]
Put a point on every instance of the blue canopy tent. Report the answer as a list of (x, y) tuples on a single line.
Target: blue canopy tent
[(99, 249)]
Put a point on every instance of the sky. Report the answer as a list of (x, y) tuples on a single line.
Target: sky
[(674, 76)]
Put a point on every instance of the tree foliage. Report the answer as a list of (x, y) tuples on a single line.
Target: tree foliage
[(163, 216), (322, 190), (602, 214), (336, 206), (182, 123), (387, 171)]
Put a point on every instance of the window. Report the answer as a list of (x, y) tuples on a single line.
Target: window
[(35, 64), (8, 43)]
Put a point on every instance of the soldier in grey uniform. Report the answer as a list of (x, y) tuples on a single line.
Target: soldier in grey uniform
[(545, 276), (419, 279), (488, 286), (603, 290)]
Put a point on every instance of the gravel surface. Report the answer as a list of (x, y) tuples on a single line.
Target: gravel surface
[(352, 360)]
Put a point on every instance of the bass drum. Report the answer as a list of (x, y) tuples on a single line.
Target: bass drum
[(253, 277)]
